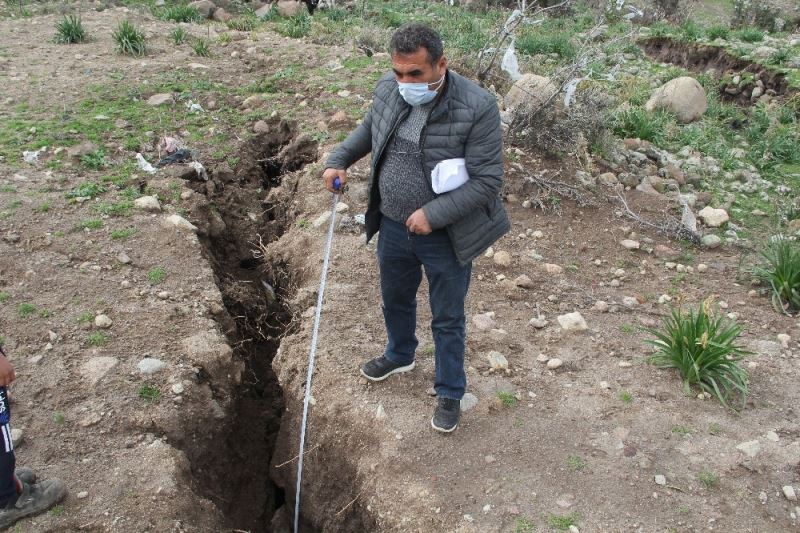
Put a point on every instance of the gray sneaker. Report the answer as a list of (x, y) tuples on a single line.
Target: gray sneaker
[(446, 415), (381, 368), (25, 475), (34, 499)]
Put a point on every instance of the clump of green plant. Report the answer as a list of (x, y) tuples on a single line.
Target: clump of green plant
[(156, 275), (780, 57), (691, 31), (563, 522), (681, 430), (179, 35), (180, 14), (122, 234), (638, 123), (70, 30), (85, 317), (507, 398), (95, 160), (91, 223), (625, 396), (149, 393), (537, 43), (97, 339), (201, 48), (750, 35), (296, 27), (708, 479), (59, 418), (271, 14), (25, 309), (4, 296), (702, 347), (245, 23), (117, 209), (718, 31), (524, 525), (577, 463), (130, 39), (781, 271)]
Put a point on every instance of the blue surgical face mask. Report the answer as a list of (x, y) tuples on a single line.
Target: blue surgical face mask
[(418, 93)]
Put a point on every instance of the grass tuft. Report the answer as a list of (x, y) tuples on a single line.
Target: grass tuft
[(70, 30), (781, 272), (179, 35), (130, 39), (201, 48), (296, 27)]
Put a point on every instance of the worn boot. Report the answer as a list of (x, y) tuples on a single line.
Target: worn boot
[(34, 499)]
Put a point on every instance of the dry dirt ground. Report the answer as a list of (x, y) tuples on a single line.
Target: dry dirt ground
[(196, 457)]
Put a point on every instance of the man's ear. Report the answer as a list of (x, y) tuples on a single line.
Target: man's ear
[(442, 63)]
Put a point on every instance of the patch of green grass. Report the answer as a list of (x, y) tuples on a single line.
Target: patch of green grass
[(750, 35), (97, 339), (44, 208), (201, 48), (4, 296), (91, 223), (156, 275), (562, 522), (627, 328), (70, 30), (87, 189), (25, 309), (781, 271), (303, 223), (45, 313), (149, 393), (708, 479), (533, 42), (122, 208), (691, 31), (576, 463), (703, 348), (122, 234), (638, 123), (57, 510), (295, 27), (714, 428), (429, 350), (179, 13), (681, 430), (59, 418), (625, 397), (508, 399), (130, 40), (178, 36), (271, 14), (718, 31), (8, 188), (244, 23), (85, 317), (95, 160), (525, 525)]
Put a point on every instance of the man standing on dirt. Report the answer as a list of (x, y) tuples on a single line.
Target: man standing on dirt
[(423, 114)]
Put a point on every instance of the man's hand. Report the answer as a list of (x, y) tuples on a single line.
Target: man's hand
[(330, 175), (7, 374), (418, 223)]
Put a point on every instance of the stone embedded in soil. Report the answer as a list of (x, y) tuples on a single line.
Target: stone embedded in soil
[(710, 241), (483, 321), (468, 401), (96, 368), (103, 321), (713, 217), (630, 244), (151, 365), (502, 259), (790, 494), (497, 360), (82, 495), (147, 203), (784, 339), (538, 322), (181, 223), (600, 306), (749, 448), (123, 258), (552, 269), (565, 501), (380, 412), (177, 388), (554, 363), (524, 282), (160, 99), (572, 322), (17, 437), (660, 479)]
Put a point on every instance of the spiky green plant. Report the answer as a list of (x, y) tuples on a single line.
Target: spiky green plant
[(702, 347), (180, 14), (201, 48), (70, 30), (130, 40), (296, 27), (178, 35), (781, 272)]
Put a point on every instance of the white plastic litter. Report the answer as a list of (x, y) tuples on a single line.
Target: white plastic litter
[(33, 157), (194, 108), (200, 169), (449, 174), (569, 90), (509, 64), (512, 21), (688, 220), (144, 165)]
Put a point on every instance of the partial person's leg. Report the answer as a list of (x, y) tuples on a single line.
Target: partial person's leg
[(8, 483), (401, 274)]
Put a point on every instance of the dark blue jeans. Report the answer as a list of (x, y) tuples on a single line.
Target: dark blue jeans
[(402, 256), (8, 487)]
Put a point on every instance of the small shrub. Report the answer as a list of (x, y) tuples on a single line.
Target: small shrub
[(691, 31), (577, 463), (702, 347), (781, 271), (625, 396), (156, 275), (718, 31), (507, 398), (780, 57), (95, 160), (130, 40), (4, 296), (201, 48), (708, 479), (149, 393), (59, 418), (750, 35), (25, 309), (180, 14), (85, 317), (296, 27), (179, 35), (245, 23), (97, 339), (70, 30)]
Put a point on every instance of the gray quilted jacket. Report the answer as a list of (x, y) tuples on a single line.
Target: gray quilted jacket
[(464, 123)]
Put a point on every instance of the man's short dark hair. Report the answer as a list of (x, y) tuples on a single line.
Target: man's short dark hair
[(412, 36)]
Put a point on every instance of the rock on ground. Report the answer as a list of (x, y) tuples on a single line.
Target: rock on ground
[(683, 96), (531, 90), (573, 322), (713, 217)]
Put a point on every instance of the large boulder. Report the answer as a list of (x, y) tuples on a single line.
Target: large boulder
[(530, 90), (683, 96), (205, 7), (291, 8)]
